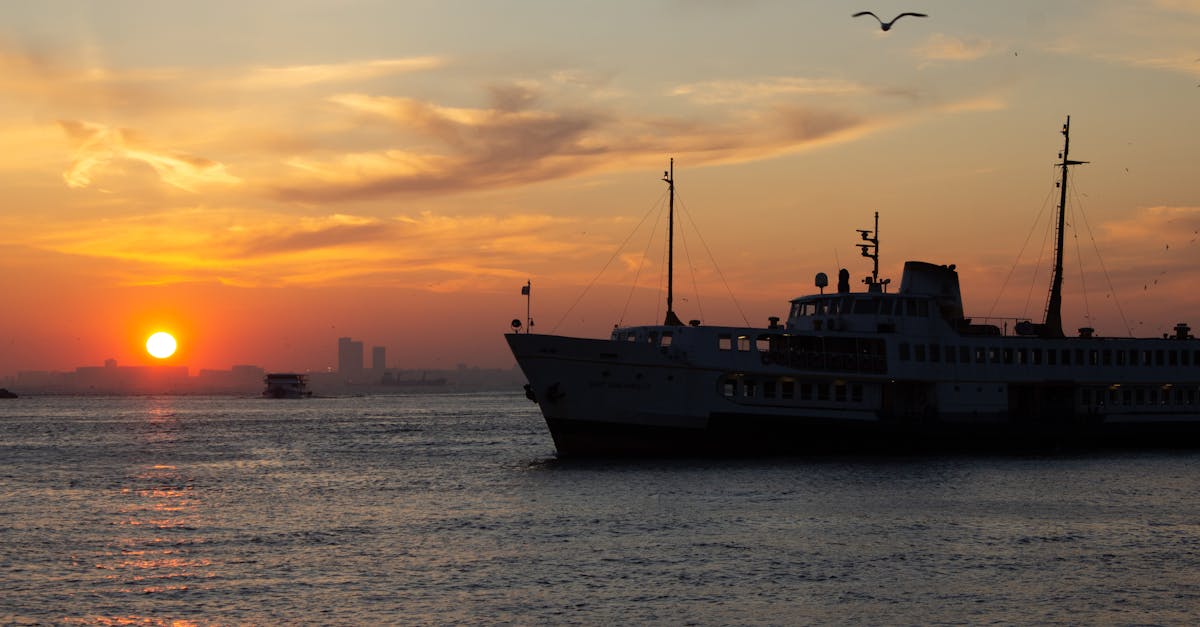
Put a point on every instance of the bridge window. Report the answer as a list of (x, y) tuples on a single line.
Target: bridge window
[(866, 306), (724, 342)]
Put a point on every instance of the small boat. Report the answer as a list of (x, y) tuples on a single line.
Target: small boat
[(5, 393), (860, 371), (286, 385)]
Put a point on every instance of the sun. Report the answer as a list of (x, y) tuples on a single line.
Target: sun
[(161, 345)]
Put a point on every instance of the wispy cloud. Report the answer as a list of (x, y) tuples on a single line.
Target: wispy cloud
[(304, 75), (98, 146), (742, 91), (941, 47)]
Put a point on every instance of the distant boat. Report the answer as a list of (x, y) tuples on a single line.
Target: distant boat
[(864, 371), (4, 393), (286, 385)]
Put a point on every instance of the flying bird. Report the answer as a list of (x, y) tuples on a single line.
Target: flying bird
[(886, 26)]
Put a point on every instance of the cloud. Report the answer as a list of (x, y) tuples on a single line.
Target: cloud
[(305, 75), (100, 145), (733, 91), (941, 47)]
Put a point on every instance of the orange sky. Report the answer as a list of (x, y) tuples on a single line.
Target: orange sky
[(263, 178)]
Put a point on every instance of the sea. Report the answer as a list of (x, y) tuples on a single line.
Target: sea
[(434, 509)]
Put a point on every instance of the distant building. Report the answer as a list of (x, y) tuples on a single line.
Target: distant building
[(350, 358), (378, 359)]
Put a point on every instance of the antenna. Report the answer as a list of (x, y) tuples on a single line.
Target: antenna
[(871, 251)]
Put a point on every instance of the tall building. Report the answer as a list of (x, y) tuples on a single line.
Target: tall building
[(350, 358), (378, 361)]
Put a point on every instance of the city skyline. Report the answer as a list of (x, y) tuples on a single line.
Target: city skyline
[(261, 179)]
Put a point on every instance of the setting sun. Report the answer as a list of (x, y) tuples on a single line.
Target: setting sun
[(161, 345)]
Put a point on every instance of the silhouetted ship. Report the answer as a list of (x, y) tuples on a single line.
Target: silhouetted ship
[(864, 371), (286, 385), (5, 393)]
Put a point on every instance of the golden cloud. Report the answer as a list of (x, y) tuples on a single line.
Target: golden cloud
[(100, 145)]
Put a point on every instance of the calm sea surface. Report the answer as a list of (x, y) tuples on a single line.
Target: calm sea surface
[(438, 509)]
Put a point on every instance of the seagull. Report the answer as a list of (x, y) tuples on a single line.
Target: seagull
[(886, 26)]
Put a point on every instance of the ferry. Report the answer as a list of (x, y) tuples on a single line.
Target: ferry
[(286, 385), (861, 371)]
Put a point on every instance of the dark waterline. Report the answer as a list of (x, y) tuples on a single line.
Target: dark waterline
[(452, 508)]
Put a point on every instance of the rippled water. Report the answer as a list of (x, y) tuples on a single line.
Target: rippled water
[(441, 509)]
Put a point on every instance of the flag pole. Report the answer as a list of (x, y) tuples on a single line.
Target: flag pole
[(528, 297)]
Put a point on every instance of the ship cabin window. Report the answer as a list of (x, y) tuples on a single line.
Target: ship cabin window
[(1172, 358), (919, 352), (1114, 396), (762, 343), (822, 392), (1140, 395), (866, 306), (839, 391), (951, 354), (743, 343), (1107, 355), (665, 340), (993, 355), (1035, 356), (964, 354), (749, 389), (1066, 357), (1158, 357), (729, 389), (904, 356), (652, 338), (1120, 355), (768, 389), (1022, 356), (980, 355), (1085, 396), (1079, 357), (1051, 357), (1133, 357), (1145, 358), (1196, 358), (1093, 357), (1183, 358), (806, 391), (1127, 397), (935, 352), (787, 390), (1008, 356), (724, 342), (856, 392)]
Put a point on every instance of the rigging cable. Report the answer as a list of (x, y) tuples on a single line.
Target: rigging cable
[(716, 267), (608, 263), (1116, 301), (641, 263), (1019, 254), (687, 253)]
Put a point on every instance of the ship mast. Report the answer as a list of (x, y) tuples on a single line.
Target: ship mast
[(669, 178), (1052, 324)]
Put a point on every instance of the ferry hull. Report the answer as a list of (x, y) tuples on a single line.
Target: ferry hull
[(604, 398)]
